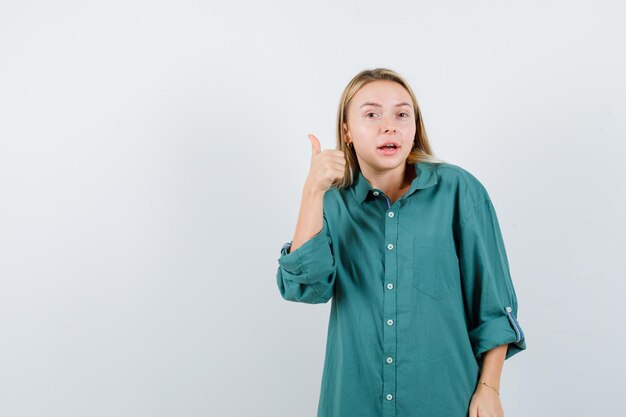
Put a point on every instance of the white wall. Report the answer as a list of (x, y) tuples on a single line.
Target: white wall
[(151, 159)]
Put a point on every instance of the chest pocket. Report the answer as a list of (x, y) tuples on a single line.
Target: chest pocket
[(435, 268)]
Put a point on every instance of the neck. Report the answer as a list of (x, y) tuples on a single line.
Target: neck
[(392, 182)]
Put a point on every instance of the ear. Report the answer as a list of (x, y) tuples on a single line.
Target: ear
[(345, 131)]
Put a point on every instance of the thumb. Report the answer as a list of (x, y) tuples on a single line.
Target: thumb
[(315, 143)]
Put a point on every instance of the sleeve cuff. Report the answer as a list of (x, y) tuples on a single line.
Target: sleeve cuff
[(313, 255), (496, 332)]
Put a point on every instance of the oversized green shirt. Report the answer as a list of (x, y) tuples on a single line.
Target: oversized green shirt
[(420, 290)]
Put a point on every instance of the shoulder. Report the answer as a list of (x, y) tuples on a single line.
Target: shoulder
[(333, 201), (463, 181), (333, 195)]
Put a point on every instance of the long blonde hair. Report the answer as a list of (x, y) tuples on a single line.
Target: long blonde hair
[(421, 147)]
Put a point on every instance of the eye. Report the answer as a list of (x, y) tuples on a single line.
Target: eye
[(367, 114), (405, 115)]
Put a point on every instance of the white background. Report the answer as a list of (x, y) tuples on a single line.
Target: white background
[(152, 156)]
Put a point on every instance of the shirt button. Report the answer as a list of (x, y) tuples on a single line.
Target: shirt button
[(390, 322), (390, 214), (375, 193), (389, 397), (390, 285), (390, 246), (509, 309), (389, 359)]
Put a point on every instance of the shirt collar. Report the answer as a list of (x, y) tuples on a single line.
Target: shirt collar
[(426, 176)]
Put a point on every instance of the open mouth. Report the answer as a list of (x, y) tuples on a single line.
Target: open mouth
[(388, 150)]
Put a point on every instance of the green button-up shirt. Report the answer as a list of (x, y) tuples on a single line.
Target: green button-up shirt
[(421, 289)]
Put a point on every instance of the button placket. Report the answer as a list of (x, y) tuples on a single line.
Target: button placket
[(390, 335)]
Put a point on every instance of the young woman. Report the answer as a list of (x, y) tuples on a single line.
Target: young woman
[(409, 248)]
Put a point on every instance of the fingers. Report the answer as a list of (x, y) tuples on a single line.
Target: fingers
[(317, 148), (315, 144), (331, 163)]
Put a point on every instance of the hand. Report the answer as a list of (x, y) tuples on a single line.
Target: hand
[(326, 166), (485, 403)]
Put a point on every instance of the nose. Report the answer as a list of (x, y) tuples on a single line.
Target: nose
[(388, 126)]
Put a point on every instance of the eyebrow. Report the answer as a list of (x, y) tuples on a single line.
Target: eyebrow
[(369, 103)]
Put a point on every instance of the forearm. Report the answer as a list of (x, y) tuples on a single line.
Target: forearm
[(310, 218), (493, 362)]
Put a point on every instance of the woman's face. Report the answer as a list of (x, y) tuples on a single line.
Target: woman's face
[(381, 112)]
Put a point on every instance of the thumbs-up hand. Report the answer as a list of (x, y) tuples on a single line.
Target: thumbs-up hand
[(327, 166)]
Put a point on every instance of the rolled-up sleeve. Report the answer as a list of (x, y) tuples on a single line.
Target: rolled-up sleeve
[(489, 295), (307, 274)]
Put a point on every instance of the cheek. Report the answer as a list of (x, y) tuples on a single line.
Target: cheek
[(366, 129)]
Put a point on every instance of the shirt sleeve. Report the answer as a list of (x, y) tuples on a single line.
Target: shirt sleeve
[(489, 295), (307, 274)]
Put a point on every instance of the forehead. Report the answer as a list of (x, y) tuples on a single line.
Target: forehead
[(383, 92)]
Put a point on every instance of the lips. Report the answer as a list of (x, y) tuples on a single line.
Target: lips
[(385, 145)]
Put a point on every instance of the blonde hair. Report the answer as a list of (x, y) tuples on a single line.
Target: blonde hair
[(421, 151)]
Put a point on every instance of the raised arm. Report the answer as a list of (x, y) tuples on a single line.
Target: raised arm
[(307, 269)]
